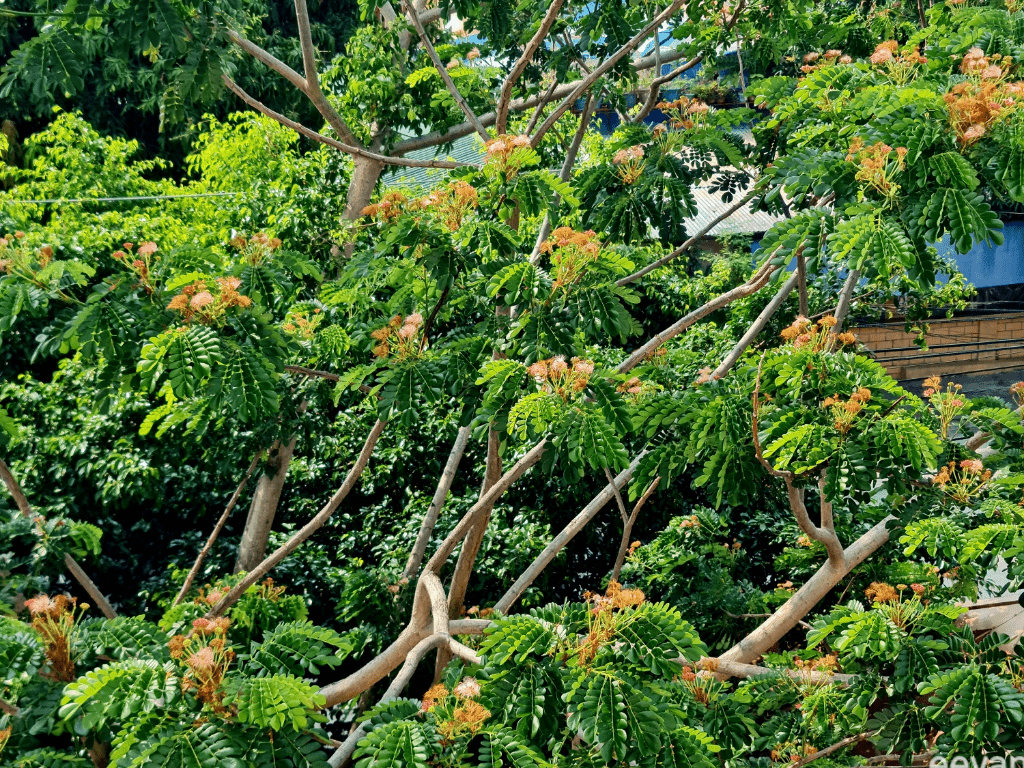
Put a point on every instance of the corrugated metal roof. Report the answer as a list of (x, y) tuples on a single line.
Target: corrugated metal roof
[(710, 205), (468, 149)]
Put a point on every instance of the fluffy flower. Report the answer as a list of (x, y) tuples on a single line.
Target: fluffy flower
[(147, 249), (201, 299), (467, 689), (40, 604), (972, 466), (202, 660)]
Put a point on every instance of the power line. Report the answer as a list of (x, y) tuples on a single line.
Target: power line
[(137, 198)]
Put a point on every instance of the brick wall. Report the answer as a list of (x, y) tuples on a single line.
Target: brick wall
[(958, 345)]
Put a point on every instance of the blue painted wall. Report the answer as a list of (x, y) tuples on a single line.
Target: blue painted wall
[(986, 266)]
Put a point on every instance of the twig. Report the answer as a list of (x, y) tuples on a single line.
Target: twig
[(216, 530), (834, 748)]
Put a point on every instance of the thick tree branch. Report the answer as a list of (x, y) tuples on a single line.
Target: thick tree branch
[(271, 61), (505, 96), (216, 531), (805, 598), (755, 283), (583, 85), (308, 529), (689, 243), (309, 133), (737, 669), (442, 70), (344, 753), (845, 299), (419, 549), (564, 537), (756, 327), (458, 533)]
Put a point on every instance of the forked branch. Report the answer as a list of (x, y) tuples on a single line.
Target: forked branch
[(584, 85), (350, 149), (826, 533), (442, 70), (505, 96)]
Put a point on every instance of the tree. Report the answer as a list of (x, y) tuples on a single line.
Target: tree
[(525, 325)]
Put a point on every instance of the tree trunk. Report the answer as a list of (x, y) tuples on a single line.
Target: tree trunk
[(365, 175), (253, 547)]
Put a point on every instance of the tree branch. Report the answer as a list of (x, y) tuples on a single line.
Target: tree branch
[(566, 171), (436, 138), (737, 669), (14, 488), (627, 528), (845, 299), (486, 501), (756, 328), (606, 65), (419, 549), (834, 748), (564, 537), (655, 90), (443, 72), (826, 538), (540, 107), (344, 753), (618, 496), (216, 531), (689, 243), (805, 598), (505, 96), (308, 529), (755, 283), (309, 133)]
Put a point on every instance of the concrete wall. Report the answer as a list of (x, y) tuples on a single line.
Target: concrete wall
[(959, 345)]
